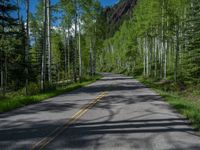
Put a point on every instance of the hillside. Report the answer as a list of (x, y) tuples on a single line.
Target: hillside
[(117, 13)]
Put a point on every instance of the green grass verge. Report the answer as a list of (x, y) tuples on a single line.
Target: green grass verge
[(185, 105), (11, 103)]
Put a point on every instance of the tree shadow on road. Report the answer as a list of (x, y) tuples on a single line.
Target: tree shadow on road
[(135, 131), (83, 135), (96, 133)]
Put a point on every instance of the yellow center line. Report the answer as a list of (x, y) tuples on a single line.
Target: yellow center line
[(45, 141)]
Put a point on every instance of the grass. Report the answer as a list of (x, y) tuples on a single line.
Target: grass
[(185, 102), (17, 101)]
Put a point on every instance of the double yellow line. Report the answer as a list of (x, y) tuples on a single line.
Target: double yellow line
[(45, 141)]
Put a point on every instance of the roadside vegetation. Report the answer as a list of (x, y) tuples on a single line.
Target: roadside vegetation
[(17, 99), (159, 42), (186, 102), (43, 53)]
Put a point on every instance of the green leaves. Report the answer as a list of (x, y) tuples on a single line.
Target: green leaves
[(171, 29)]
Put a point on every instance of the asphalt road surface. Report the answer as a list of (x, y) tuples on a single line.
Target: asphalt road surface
[(114, 113)]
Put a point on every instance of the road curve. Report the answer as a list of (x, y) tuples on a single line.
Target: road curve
[(114, 113)]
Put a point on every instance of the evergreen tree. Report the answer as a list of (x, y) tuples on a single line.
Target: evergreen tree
[(7, 24), (192, 57)]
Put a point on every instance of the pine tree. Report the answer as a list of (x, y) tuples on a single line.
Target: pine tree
[(7, 22), (193, 41)]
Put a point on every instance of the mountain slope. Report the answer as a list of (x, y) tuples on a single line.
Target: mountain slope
[(116, 14)]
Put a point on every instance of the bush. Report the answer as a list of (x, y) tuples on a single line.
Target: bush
[(50, 87), (33, 88)]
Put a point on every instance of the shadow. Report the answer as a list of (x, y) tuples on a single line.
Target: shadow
[(46, 106), (172, 120), (116, 78), (104, 128), (86, 135), (82, 135), (111, 100), (56, 106), (110, 88)]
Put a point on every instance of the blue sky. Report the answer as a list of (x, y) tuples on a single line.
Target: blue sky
[(33, 4), (108, 2), (103, 3)]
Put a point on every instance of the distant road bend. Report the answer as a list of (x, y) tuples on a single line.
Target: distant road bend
[(114, 113)]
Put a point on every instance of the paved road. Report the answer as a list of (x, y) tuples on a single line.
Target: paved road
[(127, 116)]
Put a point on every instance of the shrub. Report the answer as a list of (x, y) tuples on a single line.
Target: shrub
[(33, 88)]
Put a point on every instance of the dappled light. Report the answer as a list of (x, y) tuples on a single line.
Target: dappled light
[(99, 75)]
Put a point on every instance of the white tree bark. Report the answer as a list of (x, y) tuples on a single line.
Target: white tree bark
[(147, 56), (79, 50), (27, 45), (144, 57), (68, 51), (49, 40), (91, 59), (165, 61), (65, 53), (176, 65), (155, 56)]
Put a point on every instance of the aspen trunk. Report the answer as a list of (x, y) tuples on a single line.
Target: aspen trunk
[(165, 61), (65, 53), (144, 58), (43, 69), (147, 56), (27, 46), (68, 51), (79, 51), (155, 57), (49, 40), (91, 59), (176, 54), (151, 55), (76, 44)]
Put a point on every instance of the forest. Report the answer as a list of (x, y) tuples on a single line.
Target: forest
[(42, 51), (159, 40)]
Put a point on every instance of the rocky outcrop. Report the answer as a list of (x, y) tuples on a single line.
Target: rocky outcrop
[(119, 11)]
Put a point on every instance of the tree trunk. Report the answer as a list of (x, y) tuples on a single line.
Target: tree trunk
[(162, 34), (147, 56), (151, 55), (144, 57), (155, 57), (6, 73), (161, 60), (176, 54), (2, 80), (165, 61), (79, 51), (76, 44), (49, 40), (1, 56), (43, 68), (65, 54), (27, 46), (68, 51), (91, 58)]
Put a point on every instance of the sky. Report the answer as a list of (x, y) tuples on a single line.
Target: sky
[(108, 2), (33, 4), (104, 3)]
